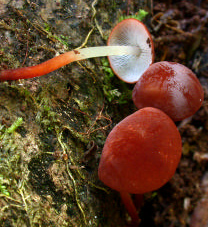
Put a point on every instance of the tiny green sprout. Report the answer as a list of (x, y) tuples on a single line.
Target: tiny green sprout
[(140, 15), (15, 125), (154, 194), (47, 27), (3, 188)]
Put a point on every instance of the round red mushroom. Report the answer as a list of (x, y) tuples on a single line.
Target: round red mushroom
[(171, 87), (140, 155), (131, 32)]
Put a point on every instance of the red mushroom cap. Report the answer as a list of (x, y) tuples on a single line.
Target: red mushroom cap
[(141, 153), (171, 87), (131, 32)]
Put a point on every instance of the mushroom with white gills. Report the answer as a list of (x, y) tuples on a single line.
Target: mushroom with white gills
[(131, 32), (129, 41)]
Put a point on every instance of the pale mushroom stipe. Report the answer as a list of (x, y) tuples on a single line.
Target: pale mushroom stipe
[(140, 155), (130, 46), (171, 87)]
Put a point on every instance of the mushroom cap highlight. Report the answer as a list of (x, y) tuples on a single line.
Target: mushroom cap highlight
[(131, 32), (141, 153), (171, 87)]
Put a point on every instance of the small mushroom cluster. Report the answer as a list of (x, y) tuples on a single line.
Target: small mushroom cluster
[(142, 152)]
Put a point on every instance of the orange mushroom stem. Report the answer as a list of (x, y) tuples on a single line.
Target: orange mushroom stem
[(130, 207), (140, 155)]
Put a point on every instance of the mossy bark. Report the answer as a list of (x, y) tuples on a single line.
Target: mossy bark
[(67, 114)]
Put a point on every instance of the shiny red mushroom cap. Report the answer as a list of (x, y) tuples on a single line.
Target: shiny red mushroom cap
[(131, 32), (141, 153), (171, 87)]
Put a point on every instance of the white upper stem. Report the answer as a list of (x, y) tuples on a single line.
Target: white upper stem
[(92, 52)]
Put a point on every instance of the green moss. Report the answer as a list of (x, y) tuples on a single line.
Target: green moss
[(119, 93)]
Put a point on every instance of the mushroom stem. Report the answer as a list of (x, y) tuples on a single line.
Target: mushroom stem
[(130, 207), (66, 58), (138, 201)]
